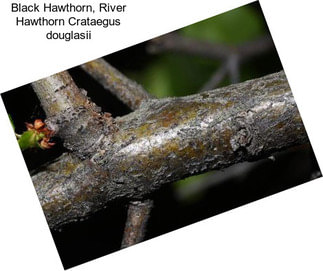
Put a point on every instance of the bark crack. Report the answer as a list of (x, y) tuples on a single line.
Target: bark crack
[(162, 141)]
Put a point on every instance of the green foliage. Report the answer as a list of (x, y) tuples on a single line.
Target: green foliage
[(175, 74), (233, 27), (30, 139), (191, 189)]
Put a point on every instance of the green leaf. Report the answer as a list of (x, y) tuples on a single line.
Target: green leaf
[(30, 139)]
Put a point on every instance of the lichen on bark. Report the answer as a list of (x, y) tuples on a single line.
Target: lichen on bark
[(163, 141)]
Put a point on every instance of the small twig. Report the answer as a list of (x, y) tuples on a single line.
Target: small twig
[(255, 47), (137, 217), (230, 56), (177, 43), (216, 78), (233, 68), (126, 90)]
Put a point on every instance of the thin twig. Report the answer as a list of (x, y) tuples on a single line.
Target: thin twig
[(137, 217), (231, 56), (126, 90), (233, 68), (255, 47), (177, 43), (216, 78)]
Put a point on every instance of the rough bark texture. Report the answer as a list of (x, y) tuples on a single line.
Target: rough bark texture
[(137, 217), (128, 91), (167, 140), (71, 115), (70, 189)]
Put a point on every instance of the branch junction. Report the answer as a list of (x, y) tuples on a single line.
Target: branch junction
[(162, 141)]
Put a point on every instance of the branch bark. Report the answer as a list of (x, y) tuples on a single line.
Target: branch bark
[(167, 140), (137, 217), (132, 94), (71, 115), (127, 91)]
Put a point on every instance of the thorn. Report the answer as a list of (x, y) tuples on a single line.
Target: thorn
[(272, 158)]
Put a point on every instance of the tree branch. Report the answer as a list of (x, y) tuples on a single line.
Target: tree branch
[(132, 94), (216, 77), (177, 43), (233, 68), (71, 115), (137, 217), (169, 139), (231, 56), (255, 47), (69, 189), (127, 91)]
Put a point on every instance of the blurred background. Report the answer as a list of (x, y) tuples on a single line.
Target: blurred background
[(225, 49)]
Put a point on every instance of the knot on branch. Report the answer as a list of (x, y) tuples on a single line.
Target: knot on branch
[(242, 139), (162, 141), (82, 129), (243, 125)]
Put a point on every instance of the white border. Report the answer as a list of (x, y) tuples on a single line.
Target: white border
[(281, 232)]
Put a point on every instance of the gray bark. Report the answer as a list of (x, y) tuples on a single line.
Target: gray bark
[(137, 218), (161, 142), (127, 91)]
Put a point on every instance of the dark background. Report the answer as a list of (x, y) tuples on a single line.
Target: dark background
[(193, 199)]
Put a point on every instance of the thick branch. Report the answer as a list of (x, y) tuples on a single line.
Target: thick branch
[(127, 91), (132, 94), (69, 189), (169, 139)]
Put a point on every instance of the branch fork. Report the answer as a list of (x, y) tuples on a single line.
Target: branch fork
[(162, 141)]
